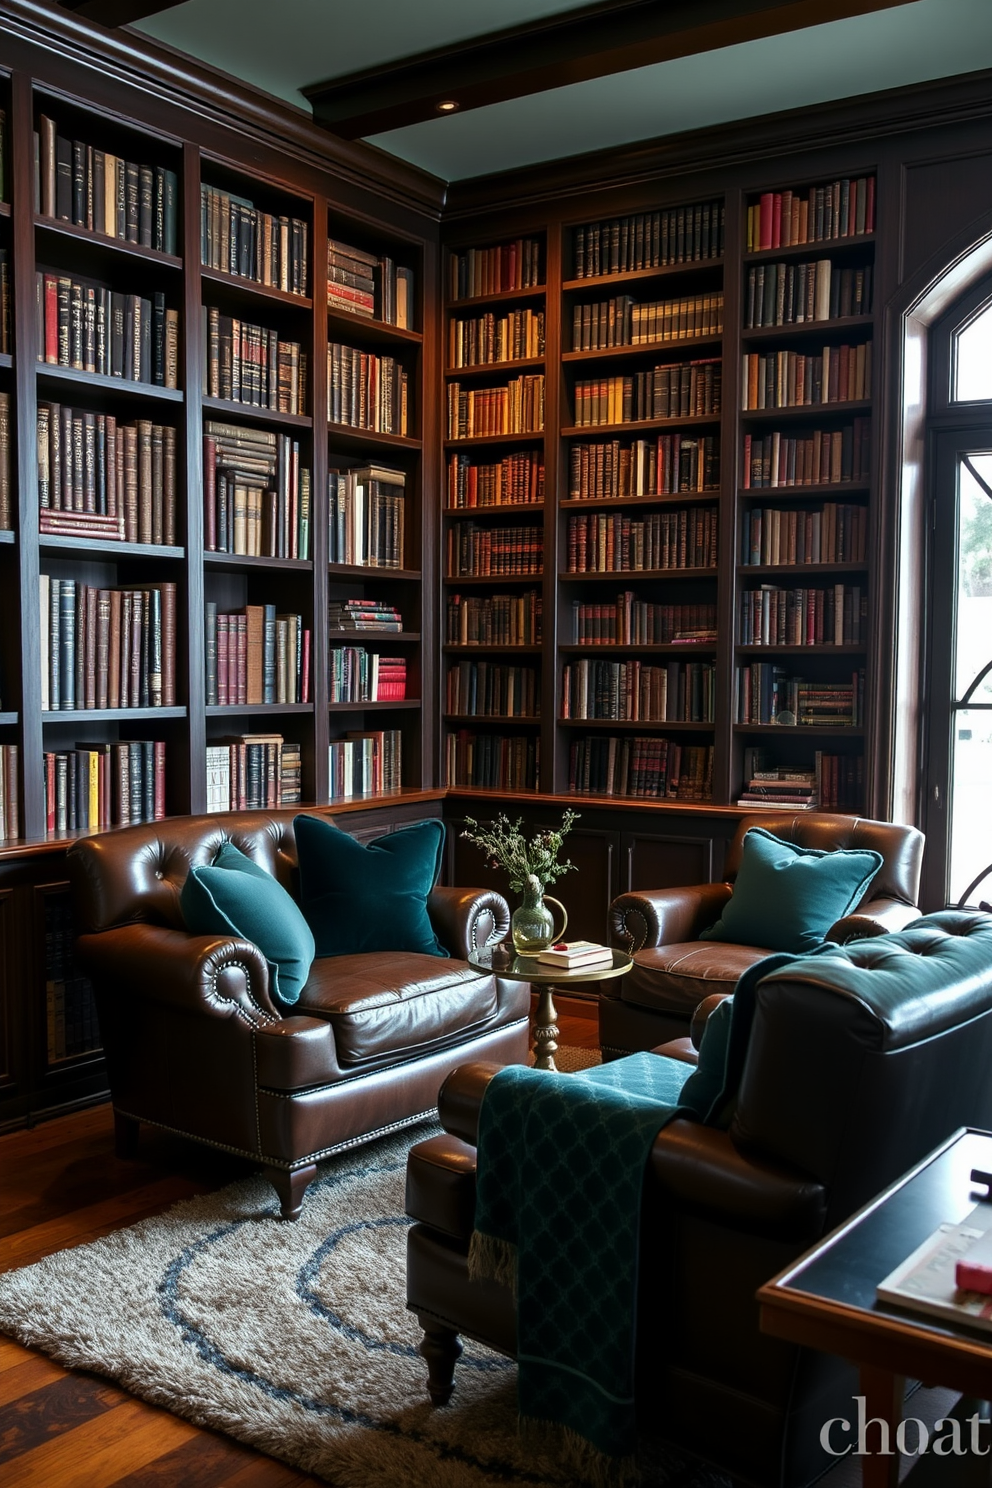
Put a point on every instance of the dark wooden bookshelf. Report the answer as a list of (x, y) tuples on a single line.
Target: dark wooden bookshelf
[(103, 242), (644, 348), (121, 387)]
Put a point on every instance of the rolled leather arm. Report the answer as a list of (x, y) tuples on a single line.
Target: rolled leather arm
[(460, 1099), (877, 917), (295, 1053), (698, 1025), (468, 919), (221, 977), (655, 917), (700, 1168)]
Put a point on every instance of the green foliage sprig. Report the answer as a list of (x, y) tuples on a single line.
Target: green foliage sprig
[(505, 845)]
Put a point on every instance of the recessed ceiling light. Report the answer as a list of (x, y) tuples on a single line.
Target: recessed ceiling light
[(447, 106)]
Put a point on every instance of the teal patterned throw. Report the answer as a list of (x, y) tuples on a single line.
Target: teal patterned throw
[(560, 1178)]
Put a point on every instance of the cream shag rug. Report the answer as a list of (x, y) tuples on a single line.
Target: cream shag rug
[(293, 1338)]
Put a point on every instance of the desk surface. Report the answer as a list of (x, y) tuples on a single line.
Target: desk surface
[(827, 1300)]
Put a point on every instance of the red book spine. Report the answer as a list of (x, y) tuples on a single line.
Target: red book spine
[(870, 205), (52, 320), (50, 792), (765, 222)]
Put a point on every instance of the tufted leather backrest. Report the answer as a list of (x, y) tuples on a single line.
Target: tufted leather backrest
[(136, 874), (863, 1059), (901, 847)]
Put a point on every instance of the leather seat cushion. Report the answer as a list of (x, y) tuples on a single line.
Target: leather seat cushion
[(395, 1002), (676, 978)]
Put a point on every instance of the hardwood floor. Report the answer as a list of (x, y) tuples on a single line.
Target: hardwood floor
[(62, 1185)]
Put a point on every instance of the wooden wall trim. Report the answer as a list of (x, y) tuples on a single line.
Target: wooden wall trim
[(172, 78), (847, 123)]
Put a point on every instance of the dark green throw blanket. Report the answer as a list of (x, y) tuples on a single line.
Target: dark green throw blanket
[(560, 1177)]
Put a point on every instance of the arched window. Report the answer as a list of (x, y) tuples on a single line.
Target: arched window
[(957, 697)]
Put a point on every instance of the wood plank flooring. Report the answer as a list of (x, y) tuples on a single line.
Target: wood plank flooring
[(62, 1185)]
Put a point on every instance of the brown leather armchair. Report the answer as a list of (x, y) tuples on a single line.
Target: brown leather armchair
[(195, 1043), (674, 970), (859, 1063)]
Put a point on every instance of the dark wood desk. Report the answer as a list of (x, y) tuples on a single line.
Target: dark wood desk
[(826, 1299)]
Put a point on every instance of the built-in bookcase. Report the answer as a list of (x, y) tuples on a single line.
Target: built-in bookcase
[(196, 373)]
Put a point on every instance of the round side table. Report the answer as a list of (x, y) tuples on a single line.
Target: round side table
[(505, 963)]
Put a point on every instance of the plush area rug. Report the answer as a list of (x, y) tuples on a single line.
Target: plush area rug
[(293, 1338)]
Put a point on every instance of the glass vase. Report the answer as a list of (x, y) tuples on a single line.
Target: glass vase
[(532, 925)]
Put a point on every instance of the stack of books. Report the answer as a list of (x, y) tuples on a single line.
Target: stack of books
[(352, 276), (365, 764), (570, 955), (360, 676), (781, 789), (363, 614)]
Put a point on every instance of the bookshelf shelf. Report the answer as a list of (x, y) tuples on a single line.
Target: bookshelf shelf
[(640, 426), (638, 573), (235, 710), (238, 284), (838, 490), (771, 570), (121, 387), (855, 244), (487, 440), (651, 726), (460, 580), (810, 329), (532, 292), (244, 560), (6, 536), (798, 729), (108, 715), (366, 439), (4, 209), (386, 705), (9, 718), (521, 720), (358, 637), (821, 650), (616, 648), (359, 571), (376, 332), (608, 503), (256, 415), (804, 412), (90, 546), (451, 648), (694, 268), (508, 508), (6, 360), (480, 369), (646, 348), (54, 229)]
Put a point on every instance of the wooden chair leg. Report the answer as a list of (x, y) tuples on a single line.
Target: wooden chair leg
[(441, 1349), (291, 1185), (125, 1135)]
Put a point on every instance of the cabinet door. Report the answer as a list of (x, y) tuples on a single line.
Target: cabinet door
[(666, 860), (12, 1061)]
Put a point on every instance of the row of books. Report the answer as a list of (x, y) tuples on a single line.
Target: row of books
[(613, 542), (636, 622), (368, 763), (788, 379), (793, 293), (88, 326), (836, 532), (106, 648), (640, 767), (491, 761), (493, 552), (766, 694), (97, 786), (359, 676), (71, 1021), (820, 457), (837, 779), (366, 516), (491, 690), (255, 655), (624, 321), (665, 466), (785, 787), (369, 284), (649, 240), (496, 620), (678, 692), (256, 494), (253, 772), (248, 364), (840, 209), (495, 338), (671, 390), (671, 464), (513, 480), (78, 183), (836, 616), (101, 478), (497, 270), (363, 614), (238, 238), (10, 792), (365, 391), (517, 408)]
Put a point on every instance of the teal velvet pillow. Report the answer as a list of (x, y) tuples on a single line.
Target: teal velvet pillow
[(234, 896), (787, 897), (368, 896)]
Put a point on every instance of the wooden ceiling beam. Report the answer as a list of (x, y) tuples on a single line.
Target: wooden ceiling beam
[(117, 12), (608, 37)]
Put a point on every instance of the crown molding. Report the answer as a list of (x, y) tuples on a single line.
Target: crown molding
[(845, 122), (172, 78)]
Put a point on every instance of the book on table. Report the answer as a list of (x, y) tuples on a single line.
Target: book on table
[(927, 1280), (574, 953)]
